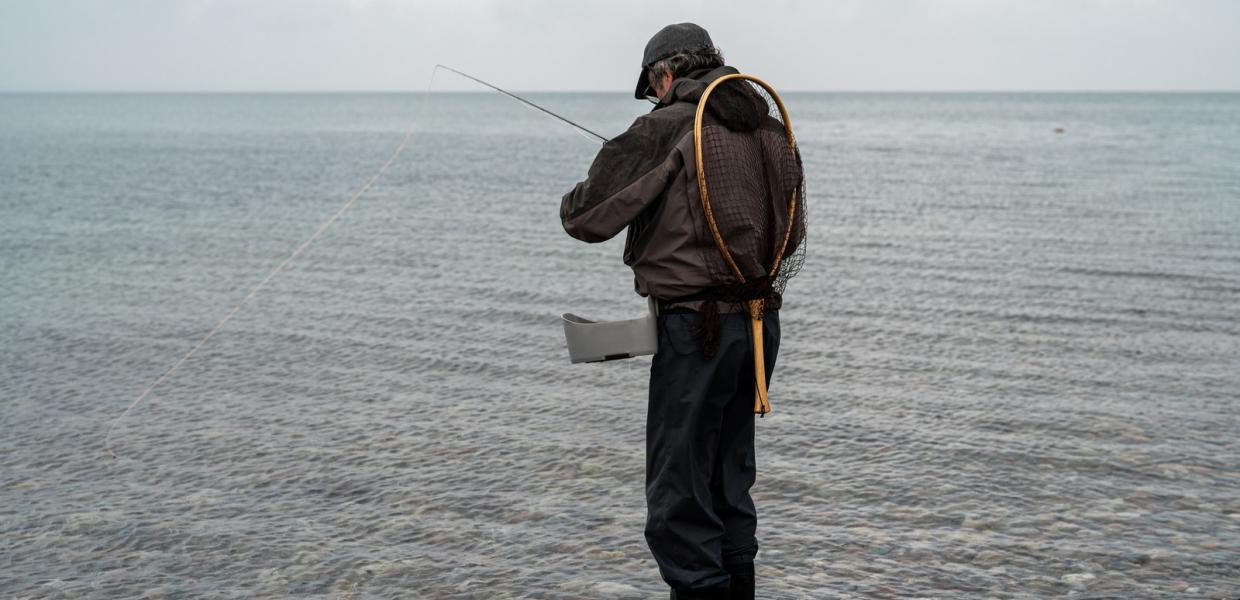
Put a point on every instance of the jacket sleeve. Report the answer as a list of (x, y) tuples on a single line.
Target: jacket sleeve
[(629, 174)]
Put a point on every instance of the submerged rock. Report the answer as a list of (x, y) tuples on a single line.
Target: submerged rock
[(1077, 578), (608, 589)]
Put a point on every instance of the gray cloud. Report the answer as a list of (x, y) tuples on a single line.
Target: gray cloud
[(581, 45)]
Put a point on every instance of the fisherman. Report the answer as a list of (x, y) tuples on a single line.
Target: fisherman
[(700, 465)]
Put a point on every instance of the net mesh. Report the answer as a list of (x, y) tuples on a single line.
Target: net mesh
[(753, 175)]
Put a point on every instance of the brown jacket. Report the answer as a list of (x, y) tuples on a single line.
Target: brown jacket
[(646, 179)]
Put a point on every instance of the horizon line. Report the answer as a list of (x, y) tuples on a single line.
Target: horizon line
[(619, 92)]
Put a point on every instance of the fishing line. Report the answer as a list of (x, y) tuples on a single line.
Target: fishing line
[(107, 438)]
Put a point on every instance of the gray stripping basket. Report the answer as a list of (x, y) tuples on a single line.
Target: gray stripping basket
[(593, 341)]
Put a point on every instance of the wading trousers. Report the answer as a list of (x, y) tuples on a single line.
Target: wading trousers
[(700, 463)]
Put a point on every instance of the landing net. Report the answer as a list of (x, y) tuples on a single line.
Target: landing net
[(752, 190)]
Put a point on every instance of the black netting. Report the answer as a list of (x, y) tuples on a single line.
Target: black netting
[(752, 174)]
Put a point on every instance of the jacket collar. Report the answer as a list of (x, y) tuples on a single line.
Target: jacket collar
[(690, 87)]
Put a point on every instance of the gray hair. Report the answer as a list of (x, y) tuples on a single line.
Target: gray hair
[(683, 63)]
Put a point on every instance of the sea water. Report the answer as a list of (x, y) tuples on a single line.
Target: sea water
[(1010, 366)]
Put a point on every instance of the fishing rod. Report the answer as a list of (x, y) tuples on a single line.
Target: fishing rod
[(522, 100)]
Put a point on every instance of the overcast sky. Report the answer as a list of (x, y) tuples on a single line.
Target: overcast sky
[(225, 45)]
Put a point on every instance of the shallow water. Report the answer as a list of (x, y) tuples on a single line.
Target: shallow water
[(1009, 367)]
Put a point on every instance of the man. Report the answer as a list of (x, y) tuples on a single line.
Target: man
[(700, 462)]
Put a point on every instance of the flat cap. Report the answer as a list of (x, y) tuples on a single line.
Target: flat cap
[(673, 39)]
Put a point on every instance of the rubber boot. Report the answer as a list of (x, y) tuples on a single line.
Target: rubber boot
[(741, 587)]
